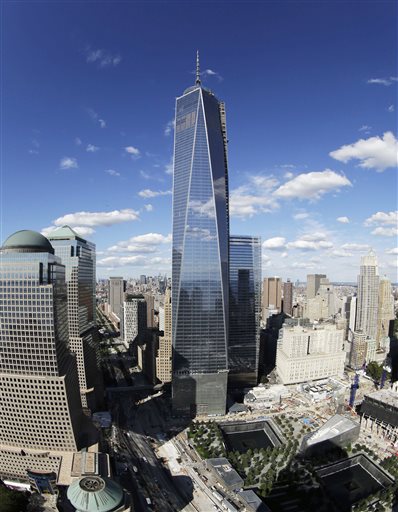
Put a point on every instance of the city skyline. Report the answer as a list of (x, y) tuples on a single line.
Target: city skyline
[(308, 120)]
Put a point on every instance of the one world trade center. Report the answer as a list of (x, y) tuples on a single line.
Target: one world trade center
[(200, 254)]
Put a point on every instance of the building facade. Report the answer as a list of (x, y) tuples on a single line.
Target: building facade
[(164, 355), (313, 283), (385, 314), (134, 320), (41, 413), (287, 306), (117, 287), (368, 296), (310, 352), (200, 254), (78, 256), (244, 309), (272, 295)]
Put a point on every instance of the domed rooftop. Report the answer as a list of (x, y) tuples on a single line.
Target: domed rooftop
[(27, 241), (95, 494)]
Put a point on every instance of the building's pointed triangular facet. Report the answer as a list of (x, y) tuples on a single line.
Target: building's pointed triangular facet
[(64, 232)]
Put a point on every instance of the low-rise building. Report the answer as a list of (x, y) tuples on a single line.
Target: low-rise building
[(225, 473)]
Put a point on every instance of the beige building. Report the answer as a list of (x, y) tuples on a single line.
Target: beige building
[(385, 314), (363, 350), (313, 283), (42, 421), (309, 352), (368, 296), (272, 295), (163, 359), (325, 304)]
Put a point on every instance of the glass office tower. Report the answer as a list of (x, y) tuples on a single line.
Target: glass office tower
[(78, 256), (200, 254), (244, 309)]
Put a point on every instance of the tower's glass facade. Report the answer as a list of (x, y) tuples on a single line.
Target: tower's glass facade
[(200, 254), (244, 309)]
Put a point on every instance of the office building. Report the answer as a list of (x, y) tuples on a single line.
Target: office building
[(385, 314), (117, 287), (78, 256), (134, 320), (150, 310), (143, 279), (325, 304), (363, 350), (313, 283), (272, 295), (244, 309), (368, 296), (42, 420), (287, 305), (309, 352), (200, 254), (163, 359)]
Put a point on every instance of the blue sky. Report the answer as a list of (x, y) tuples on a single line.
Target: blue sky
[(88, 95)]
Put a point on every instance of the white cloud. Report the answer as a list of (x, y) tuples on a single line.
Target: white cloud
[(121, 261), (147, 193), (381, 81), (103, 58), (141, 243), (312, 185), (112, 172), (374, 153), (78, 141), (148, 207), (356, 247), (385, 218), (341, 253), (392, 251), (169, 128), (364, 128), (284, 255), (131, 150), (264, 182), (288, 175), (380, 231), (307, 245), (145, 175), (95, 117), (244, 204), (97, 218), (170, 166), (343, 220), (91, 148), (391, 108), (211, 72), (301, 216), (68, 163), (275, 243), (314, 237), (302, 264)]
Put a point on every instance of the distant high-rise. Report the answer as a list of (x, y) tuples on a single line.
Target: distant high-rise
[(78, 256), (288, 298), (117, 287), (200, 254), (385, 313), (368, 296), (163, 358), (272, 294), (40, 407), (143, 279), (150, 310), (313, 283), (244, 309), (363, 350), (134, 320)]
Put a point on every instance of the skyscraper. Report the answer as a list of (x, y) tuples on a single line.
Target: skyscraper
[(272, 294), (134, 320), (385, 314), (200, 254), (40, 406), (368, 296), (163, 358), (288, 298), (78, 256), (244, 309), (313, 283), (117, 287)]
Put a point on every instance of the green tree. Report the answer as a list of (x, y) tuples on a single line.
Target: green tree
[(12, 501)]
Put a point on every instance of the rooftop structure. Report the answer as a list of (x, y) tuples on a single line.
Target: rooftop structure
[(252, 502), (96, 494), (381, 405), (223, 470)]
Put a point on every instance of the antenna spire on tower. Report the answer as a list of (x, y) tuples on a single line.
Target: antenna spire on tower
[(197, 81)]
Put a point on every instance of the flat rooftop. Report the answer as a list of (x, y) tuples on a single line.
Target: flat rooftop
[(226, 472), (386, 396), (334, 427)]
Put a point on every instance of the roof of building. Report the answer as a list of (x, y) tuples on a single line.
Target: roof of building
[(386, 396), (253, 501), (28, 241), (334, 427), (64, 232), (226, 472), (95, 494)]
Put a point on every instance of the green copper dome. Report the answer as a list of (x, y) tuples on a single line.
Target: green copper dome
[(27, 241), (95, 494)]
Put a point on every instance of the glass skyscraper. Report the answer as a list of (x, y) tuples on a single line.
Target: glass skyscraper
[(200, 254), (78, 256), (244, 309)]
